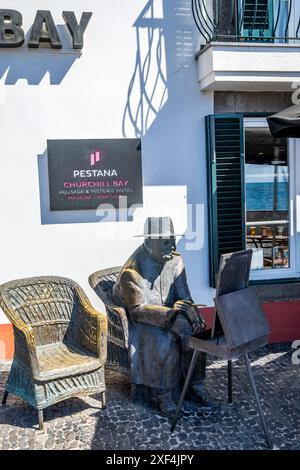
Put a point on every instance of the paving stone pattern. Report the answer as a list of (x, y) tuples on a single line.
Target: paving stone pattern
[(124, 425)]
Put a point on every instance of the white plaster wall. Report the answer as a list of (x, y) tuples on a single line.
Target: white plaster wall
[(47, 94)]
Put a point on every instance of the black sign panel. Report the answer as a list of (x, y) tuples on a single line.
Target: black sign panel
[(84, 174)]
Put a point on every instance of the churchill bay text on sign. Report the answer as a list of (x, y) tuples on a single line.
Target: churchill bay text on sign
[(95, 184), (85, 173)]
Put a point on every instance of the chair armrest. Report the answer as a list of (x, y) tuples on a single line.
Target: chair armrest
[(91, 327), (25, 347), (92, 331), (117, 324), (24, 342)]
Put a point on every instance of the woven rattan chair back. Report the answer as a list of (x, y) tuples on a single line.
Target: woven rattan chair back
[(46, 304), (117, 339)]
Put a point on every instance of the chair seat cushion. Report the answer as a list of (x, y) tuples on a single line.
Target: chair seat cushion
[(64, 359)]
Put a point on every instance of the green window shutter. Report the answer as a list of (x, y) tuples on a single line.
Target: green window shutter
[(226, 199), (257, 18)]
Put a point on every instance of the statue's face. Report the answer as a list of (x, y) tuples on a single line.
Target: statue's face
[(161, 249)]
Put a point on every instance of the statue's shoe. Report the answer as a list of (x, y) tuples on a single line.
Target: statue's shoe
[(198, 394), (165, 404)]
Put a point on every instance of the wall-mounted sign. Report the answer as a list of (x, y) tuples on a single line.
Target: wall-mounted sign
[(86, 173), (43, 29)]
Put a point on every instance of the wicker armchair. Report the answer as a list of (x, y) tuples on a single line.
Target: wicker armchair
[(117, 338), (60, 342)]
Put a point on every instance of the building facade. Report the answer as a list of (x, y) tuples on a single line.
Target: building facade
[(194, 80)]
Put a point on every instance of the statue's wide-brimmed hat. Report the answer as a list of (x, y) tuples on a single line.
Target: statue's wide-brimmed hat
[(159, 227)]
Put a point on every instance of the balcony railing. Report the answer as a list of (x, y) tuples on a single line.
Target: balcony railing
[(276, 21)]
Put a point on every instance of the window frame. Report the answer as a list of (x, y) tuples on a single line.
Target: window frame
[(293, 270), (291, 275)]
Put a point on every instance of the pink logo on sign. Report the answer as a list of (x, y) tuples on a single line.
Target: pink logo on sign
[(95, 157)]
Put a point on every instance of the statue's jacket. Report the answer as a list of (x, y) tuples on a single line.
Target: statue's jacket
[(148, 291)]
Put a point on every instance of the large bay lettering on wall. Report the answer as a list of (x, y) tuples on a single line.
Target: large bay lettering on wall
[(43, 29), (86, 173)]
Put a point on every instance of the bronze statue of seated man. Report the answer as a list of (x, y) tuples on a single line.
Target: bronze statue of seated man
[(153, 288)]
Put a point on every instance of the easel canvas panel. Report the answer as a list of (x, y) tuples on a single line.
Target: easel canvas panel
[(242, 317)]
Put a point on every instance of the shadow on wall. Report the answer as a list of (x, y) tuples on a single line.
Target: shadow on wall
[(160, 23), (162, 104), (33, 64), (149, 81)]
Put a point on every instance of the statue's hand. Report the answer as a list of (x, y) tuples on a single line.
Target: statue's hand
[(170, 317), (192, 314)]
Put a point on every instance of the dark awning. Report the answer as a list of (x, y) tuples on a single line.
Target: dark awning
[(286, 123)]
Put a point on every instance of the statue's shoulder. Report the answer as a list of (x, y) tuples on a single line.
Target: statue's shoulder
[(132, 268), (130, 276)]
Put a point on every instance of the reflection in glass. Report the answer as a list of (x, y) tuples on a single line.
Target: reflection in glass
[(267, 199)]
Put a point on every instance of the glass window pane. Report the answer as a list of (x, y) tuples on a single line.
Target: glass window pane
[(267, 199)]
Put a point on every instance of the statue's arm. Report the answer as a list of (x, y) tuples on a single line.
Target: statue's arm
[(138, 310), (182, 294), (154, 315)]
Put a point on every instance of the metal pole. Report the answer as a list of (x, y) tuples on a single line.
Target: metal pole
[(229, 381), (4, 398), (41, 420), (258, 402), (103, 400)]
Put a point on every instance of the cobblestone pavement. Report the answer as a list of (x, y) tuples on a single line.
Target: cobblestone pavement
[(81, 424)]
